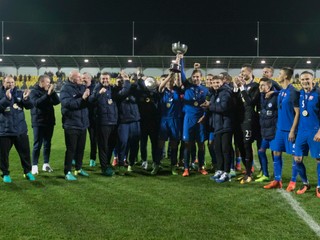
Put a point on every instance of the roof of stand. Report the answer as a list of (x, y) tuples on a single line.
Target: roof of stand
[(108, 61)]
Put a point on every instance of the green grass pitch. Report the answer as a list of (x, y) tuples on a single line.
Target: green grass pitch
[(141, 206)]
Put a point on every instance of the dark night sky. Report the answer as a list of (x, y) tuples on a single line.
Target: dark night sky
[(287, 28)]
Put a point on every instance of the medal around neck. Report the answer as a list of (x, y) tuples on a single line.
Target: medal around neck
[(305, 113)]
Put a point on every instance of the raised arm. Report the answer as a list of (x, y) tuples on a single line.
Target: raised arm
[(165, 81)]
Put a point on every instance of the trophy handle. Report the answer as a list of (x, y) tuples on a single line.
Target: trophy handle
[(178, 57)]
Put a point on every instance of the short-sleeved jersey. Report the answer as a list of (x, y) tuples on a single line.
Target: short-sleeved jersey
[(309, 102), (171, 103), (288, 99), (194, 96)]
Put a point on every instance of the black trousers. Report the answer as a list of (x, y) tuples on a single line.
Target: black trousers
[(75, 141), (107, 139), (93, 141), (21, 144), (149, 128), (223, 150), (244, 138)]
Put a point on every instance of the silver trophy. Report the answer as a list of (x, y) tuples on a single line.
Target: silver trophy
[(177, 48), (150, 83)]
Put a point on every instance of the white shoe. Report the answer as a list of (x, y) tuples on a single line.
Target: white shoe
[(34, 169), (46, 168), (144, 165)]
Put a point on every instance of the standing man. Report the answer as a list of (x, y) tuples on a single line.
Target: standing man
[(193, 123), (129, 125), (13, 128), (268, 122), (267, 72), (248, 103), (148, 103), (75, 120), (288, 118), (43, 97), (220, 110), (104, 98), (171, 117), (308, 137), (87, 80)]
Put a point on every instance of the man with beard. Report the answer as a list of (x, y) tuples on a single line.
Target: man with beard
[(248, 103)]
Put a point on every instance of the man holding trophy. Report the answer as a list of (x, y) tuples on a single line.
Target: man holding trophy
[(171, 113), (193, 123)]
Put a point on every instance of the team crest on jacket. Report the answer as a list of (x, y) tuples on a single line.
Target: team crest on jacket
[(269, 105), (218, 100), (311, 97)]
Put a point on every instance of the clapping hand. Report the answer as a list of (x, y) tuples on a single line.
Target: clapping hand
[(51, 89), (86, 94), (26, 93)]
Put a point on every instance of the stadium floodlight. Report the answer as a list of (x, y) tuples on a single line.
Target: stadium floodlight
[(308, 62), (43, 60), (218, 61), (256, 39), (7, 37), (135, 38), (129, 61), (86, 60), (0, 59), (263, 61)]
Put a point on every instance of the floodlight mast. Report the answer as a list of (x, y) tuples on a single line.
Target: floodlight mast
[(2, 37)]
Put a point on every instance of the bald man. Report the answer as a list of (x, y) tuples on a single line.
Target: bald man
[(75, 121), (13, 128)]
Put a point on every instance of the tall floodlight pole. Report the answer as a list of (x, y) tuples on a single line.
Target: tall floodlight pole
[(258, 38), (2, 37), (133, 38)]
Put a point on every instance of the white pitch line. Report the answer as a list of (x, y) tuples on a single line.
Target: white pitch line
[(300, 211)]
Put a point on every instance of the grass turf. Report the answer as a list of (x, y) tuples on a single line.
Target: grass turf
[(141, 206)]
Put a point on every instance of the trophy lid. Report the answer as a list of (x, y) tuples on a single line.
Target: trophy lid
[(179, 48)]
